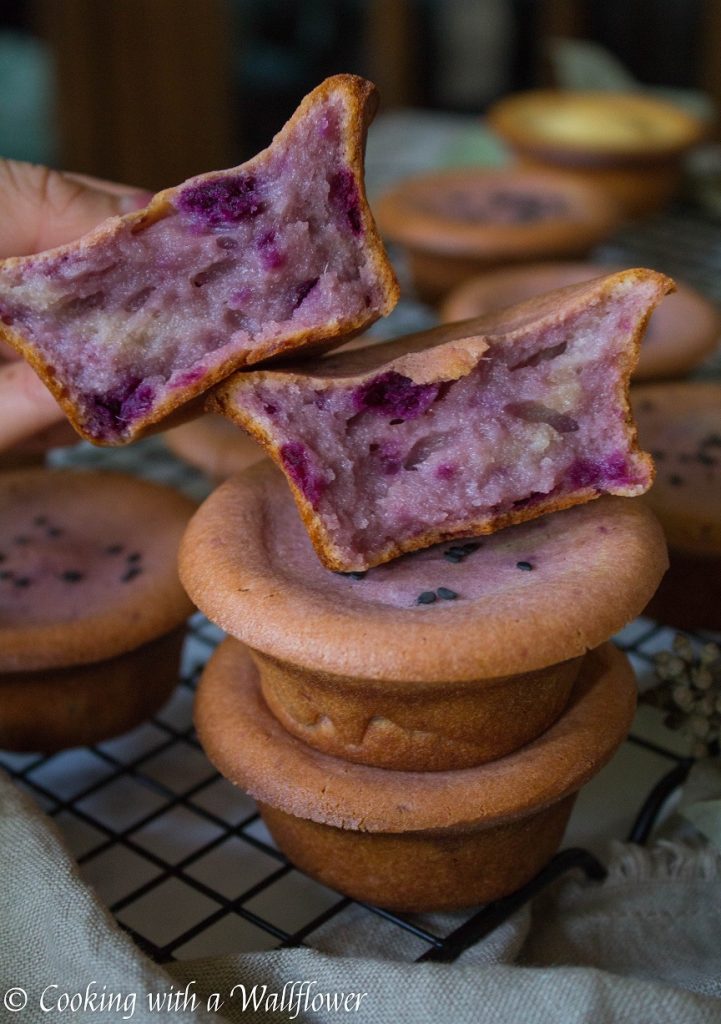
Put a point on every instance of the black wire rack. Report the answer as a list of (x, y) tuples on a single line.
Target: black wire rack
[(183, 860), (180, 832)]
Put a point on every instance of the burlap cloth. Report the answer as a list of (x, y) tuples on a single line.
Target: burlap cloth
[(642, 947)]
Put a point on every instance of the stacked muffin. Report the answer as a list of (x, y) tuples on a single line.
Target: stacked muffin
[(416, 734), (415, 729)]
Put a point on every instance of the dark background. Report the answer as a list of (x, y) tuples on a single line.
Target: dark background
[(151, 91)]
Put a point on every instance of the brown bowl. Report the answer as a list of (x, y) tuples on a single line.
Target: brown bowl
[(627, 145), (457, 223), (682, 332), (413, 841), (356, 668)]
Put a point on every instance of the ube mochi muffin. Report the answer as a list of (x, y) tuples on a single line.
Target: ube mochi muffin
[(148, 311), (454, 224), (34, 450), (441, 659), (212, 444), (681, 424), (629, 145), (408, 840), (681, 333), (92, 614), (464, 429)]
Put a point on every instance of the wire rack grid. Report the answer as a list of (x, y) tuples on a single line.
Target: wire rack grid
[(183, 860), (154, 827)]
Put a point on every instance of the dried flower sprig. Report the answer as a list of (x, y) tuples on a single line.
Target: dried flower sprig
[(689, 691)]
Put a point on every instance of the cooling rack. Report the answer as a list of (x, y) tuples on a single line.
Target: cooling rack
[(183, 860), (185, 864)]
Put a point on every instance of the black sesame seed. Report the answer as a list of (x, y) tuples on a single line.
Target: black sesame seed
[(675, 480), (446, 595), (427, 597), (6, 574), (658, 455), (22, 581), (131, 574), (2, 557), (114, 549), (71, 576), (54, 531), (454, 556), (712, 441), (526, 566), (706, 460), (134, 557)]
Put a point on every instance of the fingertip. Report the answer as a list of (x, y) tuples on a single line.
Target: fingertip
[(134, 201)]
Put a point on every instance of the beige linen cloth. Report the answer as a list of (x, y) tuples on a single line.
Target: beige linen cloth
[(644, 947)]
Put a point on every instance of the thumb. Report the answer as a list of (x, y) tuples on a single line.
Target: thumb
[(41, 208)]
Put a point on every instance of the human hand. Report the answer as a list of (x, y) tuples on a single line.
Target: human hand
[(39, 209)]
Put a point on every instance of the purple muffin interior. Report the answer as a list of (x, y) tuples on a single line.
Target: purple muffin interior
[(384, 460), (237, 264)]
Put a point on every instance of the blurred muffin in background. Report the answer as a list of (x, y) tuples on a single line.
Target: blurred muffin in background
[(680, 424), (454, 224), (213, 445), (629, 144), (92, 613), (682, 332)]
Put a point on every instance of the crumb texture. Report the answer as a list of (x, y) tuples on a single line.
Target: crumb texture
[(237, 264), (542, 415)]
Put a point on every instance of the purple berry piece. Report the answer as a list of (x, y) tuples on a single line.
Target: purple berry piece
[(583, 473), (222, 201), (343, 195), (390, 459), (392, 394), (271, 256), (300, 469)]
